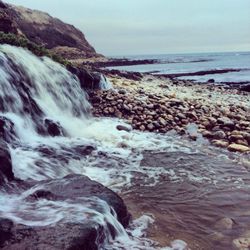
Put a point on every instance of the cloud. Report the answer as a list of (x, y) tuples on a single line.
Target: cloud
[(155, 26)]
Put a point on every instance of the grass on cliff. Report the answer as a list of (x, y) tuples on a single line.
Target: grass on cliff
[(38, 50)]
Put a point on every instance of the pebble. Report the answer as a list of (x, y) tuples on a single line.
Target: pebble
[(224, 224), (219, 134), (123, 128), (220, 143), (226, 127), (238, 148)]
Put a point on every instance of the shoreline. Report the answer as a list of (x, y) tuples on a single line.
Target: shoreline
[(203, 111), (159, 104)]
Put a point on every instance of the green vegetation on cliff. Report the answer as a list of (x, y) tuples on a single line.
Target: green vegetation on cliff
[(20, 41)]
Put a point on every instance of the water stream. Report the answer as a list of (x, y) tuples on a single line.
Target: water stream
[(176, 188)]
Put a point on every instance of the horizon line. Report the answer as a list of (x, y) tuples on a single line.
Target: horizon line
[(175, 53)]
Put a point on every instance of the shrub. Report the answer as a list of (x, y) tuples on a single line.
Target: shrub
[(38, 50)]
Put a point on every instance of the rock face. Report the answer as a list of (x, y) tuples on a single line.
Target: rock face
[(53, 128), (87, 234), (88, 80), (7, 24), (6, 172), (39, 27)]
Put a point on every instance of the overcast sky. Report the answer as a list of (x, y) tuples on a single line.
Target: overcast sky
[(127, 27)]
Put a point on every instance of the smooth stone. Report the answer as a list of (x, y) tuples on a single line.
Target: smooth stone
[(225, 121), (150, 126), (207, 134), (216, 236), (219, 134), (242, 243), (236, 137), (220, 143), (122, 91), (123, 128), (224, 224), (210, 80), (238, 148)]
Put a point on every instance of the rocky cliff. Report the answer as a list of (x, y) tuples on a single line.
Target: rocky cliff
[(43, 29)]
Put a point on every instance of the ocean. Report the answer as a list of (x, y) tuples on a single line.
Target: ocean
[(237, 65)]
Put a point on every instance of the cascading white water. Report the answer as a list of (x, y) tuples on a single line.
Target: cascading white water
[(105, 84), (33, 89)]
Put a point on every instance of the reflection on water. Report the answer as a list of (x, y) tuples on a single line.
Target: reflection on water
[(205, 201)]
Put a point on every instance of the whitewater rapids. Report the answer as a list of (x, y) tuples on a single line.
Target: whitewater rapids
[(34, 89)]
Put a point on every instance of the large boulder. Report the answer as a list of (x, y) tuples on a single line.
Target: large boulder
[(86, 234), (78, 186), (62, 236), (88, 80)]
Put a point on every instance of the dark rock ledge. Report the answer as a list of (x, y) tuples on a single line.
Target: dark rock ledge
[(86, 234)]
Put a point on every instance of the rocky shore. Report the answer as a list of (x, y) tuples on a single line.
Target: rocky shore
[(158, 104)]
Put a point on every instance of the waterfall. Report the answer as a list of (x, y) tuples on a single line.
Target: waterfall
[(46, 121), (104, 83), (37, 94)]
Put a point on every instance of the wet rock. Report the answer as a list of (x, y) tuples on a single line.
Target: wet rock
[(246, 163), (217, 236), (224, 224), (175, 102), (242, 243), (245, 87), (219, 134), (123, 128), (238, 148), (5, 230), (220, 143), (236, 137), (96, 99), (207, 134), (53, 128), (6, 172), (122, 91), (66, 236), (210, 80), (162, 121), (86, 234), (75, 186), (242, 142), (181, 116), (7, 131), (88, 80), (225, 121), (150, 126), (84, 150), (247, 137), (42, 194)]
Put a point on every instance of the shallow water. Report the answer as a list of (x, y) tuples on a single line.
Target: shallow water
[(202, 189)]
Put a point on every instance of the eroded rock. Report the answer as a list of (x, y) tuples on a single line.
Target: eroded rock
[(6, 172), (86, 234)]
